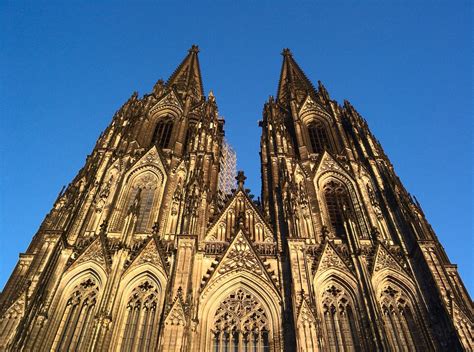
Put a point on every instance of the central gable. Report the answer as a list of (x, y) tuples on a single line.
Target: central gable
[(240, 210)]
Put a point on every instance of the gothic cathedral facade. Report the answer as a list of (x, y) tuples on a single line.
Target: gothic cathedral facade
[(143, 252)]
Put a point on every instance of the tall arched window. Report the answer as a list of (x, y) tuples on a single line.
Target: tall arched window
[(318, 137), (142, 194), (338, 205), (398, 315), (340, 321), (162, 134), (190, 132), (139, 327), (240, 324), (77, 317)]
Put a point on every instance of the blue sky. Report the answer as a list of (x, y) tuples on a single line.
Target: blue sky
[(405, 65)]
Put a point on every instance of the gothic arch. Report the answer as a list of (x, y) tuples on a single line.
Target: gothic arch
[(334, 176), (147, 184), (318, 134), (403, 320), (262, 293), (339, 308), (139, 308), (74, 308)]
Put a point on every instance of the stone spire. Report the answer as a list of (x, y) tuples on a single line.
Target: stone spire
[(293, 82), (187, 77)]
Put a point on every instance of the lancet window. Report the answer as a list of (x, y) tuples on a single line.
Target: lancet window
[(318, 137), (240, 324), (140, 197), (338, 204), (398, 315), (190, 132), (139, 332), (77, 317), (340, 320), (162, 134)]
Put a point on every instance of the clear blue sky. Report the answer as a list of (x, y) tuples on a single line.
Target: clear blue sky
[(405, 65)]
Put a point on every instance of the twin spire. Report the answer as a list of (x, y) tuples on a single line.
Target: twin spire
[(187, 77), (293, 82)]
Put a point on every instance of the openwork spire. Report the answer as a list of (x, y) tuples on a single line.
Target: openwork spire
[(187, 77), (293, 81)]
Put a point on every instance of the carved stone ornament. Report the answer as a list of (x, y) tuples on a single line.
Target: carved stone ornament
[(240, 256)]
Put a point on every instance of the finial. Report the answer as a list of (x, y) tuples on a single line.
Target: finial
[(103, 227), (194, 49), (287, 52), (155, 228), (241, 179)]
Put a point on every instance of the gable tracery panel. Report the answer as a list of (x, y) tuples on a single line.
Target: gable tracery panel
[(240, 324), (9, 322)]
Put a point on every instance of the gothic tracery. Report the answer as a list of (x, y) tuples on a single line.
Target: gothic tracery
[(240, 324)]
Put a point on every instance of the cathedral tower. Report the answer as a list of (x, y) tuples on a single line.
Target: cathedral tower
[(146, 251)]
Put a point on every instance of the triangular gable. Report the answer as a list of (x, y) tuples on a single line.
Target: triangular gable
[(305, 313), (330, 259), (240, 256), (150, 254), (95, 252), (176, 315), (231, 204), (17, 306), (309, 105), (170, 100), (385, 260), (151, 158), (328, 163)]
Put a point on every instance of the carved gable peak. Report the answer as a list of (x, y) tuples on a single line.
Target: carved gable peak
[(240, 256), (384, 260), (239, 204), (328, 163), (149, 254), (310, 106), (95, 252), (151, 158), (305, 313), (330, 259), (176, 314), (169, 100)]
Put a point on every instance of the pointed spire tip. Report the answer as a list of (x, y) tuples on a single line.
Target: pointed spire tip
[(194, 49), (286, 52)]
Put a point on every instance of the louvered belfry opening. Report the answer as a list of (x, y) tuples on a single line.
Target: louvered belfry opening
[(318, 136), (162, 134), (338, 205)]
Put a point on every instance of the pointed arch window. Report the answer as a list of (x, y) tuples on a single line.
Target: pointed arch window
[(162, 134), (318, 137), (340, 321), (139, 327), (338, 204), (190, 132), (141, 197), (77, 317), (240, 324), (399, 320)]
